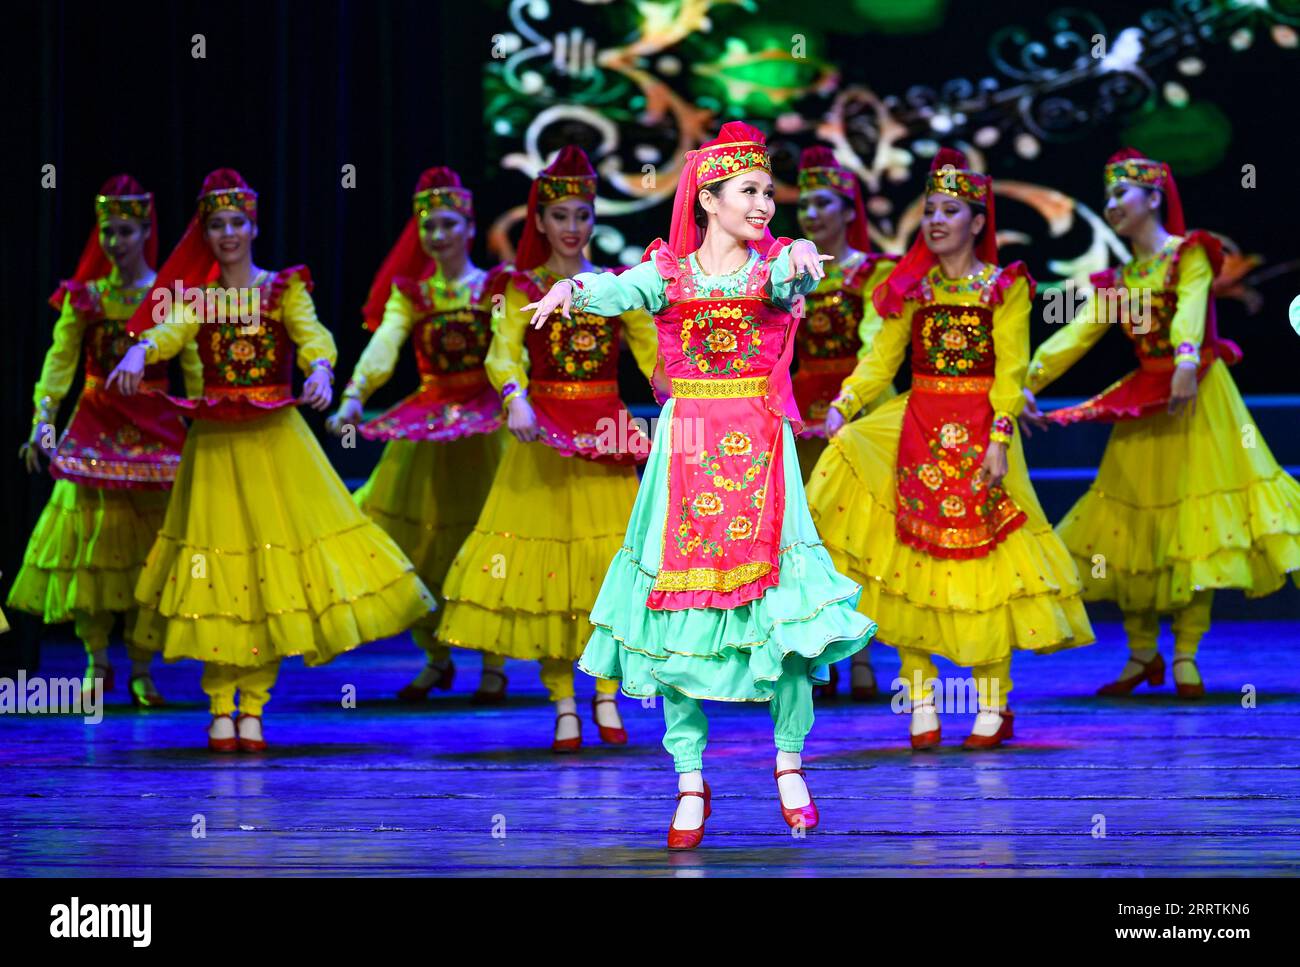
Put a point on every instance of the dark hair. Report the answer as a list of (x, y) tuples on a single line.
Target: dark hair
[(701, 216), (977, 209)]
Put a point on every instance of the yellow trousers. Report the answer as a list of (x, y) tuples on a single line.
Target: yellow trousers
[(992, 680), (1189, 625), (254, 684), (94, 627)]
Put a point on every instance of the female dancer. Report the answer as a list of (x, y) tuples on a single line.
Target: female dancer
[(1187, 498), (442, 451), (525, 580), (116, 459), (836, 332), (262, 553), (927, 502), (721, 589)]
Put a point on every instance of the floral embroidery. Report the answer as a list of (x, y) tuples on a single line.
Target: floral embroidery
[(243, 361), (957, 340), (706, 504), (582, 354), (930, 475), (952, 506), (454, 341), (953, 435), (721, 338), (735, 444), (740, 528)]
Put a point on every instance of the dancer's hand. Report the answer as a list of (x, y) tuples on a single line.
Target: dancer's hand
[(348, 414), (1031, 415), (834, 422), (559, 296), (1182, 389), (994, 468), (125, 378), (522, 421), (806, 260), (316, 390), (30, 453)]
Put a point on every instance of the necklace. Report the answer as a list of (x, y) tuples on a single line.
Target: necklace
[(707, 273)]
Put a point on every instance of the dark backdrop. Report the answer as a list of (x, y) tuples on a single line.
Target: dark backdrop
[(289, 92)]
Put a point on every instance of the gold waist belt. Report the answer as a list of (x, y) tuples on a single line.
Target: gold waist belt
[(97, 382), (719, 389), (473, 377), (952, 384), (573, 390), (259, 394)]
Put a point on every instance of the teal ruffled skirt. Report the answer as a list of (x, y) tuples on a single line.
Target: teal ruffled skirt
[(709, 653)]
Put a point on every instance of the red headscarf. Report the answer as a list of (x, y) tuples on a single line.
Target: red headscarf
[(437, 187), (959, 181), (739, 147), (570, 175), (1133, 167), (819, 169), (123, 197), (192, 262)]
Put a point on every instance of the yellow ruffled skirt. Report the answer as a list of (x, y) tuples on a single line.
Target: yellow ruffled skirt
[(1024, 595), (524, 582), (264, 555), (427, 497), (87, 551), (1186, 502)]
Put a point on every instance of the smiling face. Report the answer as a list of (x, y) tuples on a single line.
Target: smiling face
[(743, 206), (1129, 206), (824, 216), (123, 240), (445, 232), (230, 236), (567, 226), (949, 225)]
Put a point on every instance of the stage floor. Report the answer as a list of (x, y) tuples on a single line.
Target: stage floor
[(382, 789)]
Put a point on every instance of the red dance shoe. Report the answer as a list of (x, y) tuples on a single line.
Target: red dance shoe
[(223, 745), (145, 697), (416, 693), (996, 739), (805, 816), (690, 838), (831, 688), (484, 697), (925, 740), (249, 745), (608, 735), (1153, 673), (1188, 689), (567, 745)]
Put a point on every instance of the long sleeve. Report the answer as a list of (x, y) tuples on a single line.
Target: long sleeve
[(642, 339), (506, 361), (379, 359), (174, 333), (1187, 330), (192, 370), (877, 368), (871, 322), (298, 314), (610, 294), (784, 292), (1066, 346), (60, 361), (1011, 360)]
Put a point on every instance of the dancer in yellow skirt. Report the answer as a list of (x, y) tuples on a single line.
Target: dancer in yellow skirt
[(525, 580), (262, 554), (445, 439), (837, 330), (1188, 498), (115, 460), (927, 502)]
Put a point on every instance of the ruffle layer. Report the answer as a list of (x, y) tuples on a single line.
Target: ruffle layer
[(428, 496), (1215, 513), (732, 655), (263, 555), (428, 415), (87, 551), (1024, 595), (524, 581)]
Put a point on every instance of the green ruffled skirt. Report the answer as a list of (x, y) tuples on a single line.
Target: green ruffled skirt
[(709, 653)]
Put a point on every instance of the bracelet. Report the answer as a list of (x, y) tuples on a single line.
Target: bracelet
[(43, 412), (1187, 353), (847, 404), (578, 295), (326, 365), (512, 391), (1004, 429)]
